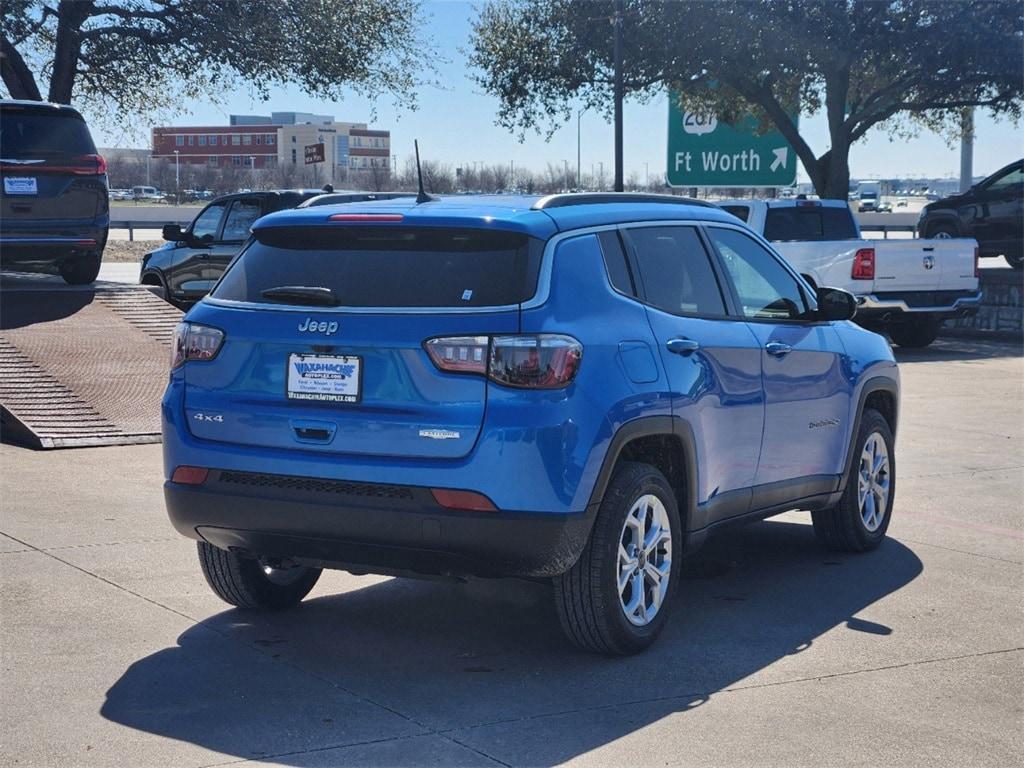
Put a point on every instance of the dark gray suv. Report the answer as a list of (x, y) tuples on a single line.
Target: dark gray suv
[(54, 202)]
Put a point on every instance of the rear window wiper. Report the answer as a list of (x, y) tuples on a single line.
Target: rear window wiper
[(311, 295)]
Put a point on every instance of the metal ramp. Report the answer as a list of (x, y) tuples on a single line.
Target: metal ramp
[(81, 366)]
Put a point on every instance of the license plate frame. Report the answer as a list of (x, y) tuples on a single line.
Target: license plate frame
[(27, 186), (324, 378)]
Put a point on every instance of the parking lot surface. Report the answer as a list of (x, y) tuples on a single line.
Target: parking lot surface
[(115, 652)]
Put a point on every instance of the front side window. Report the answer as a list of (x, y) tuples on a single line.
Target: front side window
[(675, 271), (240, 217), (766, 290), (207, 221)]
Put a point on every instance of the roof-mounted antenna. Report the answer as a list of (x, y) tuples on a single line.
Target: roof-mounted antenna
[(421, 197)]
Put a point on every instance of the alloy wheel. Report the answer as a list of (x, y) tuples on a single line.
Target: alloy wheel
[(645, 560)]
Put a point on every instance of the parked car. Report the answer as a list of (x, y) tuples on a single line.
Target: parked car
[(54, 203), (120, 194), (334, 198), (147, 193), (577, 388), (193, 259), (905, 288), (992, 212)]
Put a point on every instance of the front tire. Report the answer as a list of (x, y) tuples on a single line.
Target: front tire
[(915, 333), (615, 599), (859, 521), (250, 583), (942, 231)]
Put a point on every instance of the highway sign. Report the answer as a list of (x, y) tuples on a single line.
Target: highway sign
[(705, 152), (314, 153)]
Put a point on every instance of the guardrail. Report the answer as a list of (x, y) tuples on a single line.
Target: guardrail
[(131, 226)]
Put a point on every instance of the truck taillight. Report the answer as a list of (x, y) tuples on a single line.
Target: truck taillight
[(194, 342), (527, 361), (864, 264)]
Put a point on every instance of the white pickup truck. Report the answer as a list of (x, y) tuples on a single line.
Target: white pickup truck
[(905, 288)]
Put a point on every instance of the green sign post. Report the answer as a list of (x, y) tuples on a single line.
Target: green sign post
[(703, 152)]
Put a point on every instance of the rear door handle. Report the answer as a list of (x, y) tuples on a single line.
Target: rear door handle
[(682, 346), (777, 349)]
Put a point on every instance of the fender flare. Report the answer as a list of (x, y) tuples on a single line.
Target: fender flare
[(653, 426), (872, 385), (941, 217)]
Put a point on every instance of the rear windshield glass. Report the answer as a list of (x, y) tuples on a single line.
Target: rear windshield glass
[(25, 134), (810, 223), (741, 212), (381, 266)]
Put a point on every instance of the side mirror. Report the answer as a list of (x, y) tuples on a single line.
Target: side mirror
[(836, 304), (173, 233)]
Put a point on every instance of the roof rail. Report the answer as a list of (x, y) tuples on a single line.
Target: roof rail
[(603, 198)]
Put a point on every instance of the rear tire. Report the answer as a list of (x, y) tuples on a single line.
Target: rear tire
[(595, 613), (851, 526), (915, 333), (81, 270), (248, 583)]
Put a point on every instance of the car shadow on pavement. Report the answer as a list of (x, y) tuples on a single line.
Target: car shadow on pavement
[(488, 657), (22, 308)]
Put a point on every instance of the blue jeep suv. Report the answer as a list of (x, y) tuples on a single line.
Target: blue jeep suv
[(578, 388)]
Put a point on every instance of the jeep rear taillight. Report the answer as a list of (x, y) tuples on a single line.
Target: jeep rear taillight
[(864, 264), (194, 342), (526, 361)]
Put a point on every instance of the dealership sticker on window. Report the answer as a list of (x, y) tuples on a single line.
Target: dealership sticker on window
[(21, 185), (324, 377)]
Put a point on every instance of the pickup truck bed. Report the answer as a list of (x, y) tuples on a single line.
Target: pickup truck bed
[(903, 287)]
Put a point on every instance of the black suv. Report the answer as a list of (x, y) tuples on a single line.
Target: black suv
[(55, 207), (992, 212), (186, 268)]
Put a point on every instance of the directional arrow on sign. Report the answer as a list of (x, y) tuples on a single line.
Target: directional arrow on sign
[(780, 157)]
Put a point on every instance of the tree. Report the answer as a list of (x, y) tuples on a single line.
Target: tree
[(898, 64), (117, 58)]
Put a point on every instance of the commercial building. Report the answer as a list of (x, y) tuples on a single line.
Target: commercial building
[(263, 141)]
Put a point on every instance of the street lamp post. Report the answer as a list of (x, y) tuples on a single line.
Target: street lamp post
[(579, 114), (177, 179), (566, 180)]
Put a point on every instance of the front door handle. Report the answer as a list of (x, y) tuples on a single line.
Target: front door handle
[(682, 346), (777, 349)]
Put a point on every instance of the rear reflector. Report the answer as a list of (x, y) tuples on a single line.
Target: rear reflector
[(864, 264), (190, 475), (366, 217), (468, 500)]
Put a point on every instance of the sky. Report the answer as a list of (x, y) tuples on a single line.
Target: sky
[(455, 124)]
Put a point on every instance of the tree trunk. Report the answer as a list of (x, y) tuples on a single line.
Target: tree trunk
[(71, 14), (16, 74)]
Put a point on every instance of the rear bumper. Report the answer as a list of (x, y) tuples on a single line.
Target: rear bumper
[(371, 528), (942, 303), (51, 242)]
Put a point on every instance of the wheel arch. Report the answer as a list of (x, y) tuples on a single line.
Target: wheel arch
[(942, 217), (666, 443), (882, 394)]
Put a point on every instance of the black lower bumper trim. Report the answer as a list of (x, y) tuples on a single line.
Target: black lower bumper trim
[(397, 530)]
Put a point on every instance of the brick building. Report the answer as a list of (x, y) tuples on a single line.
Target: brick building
[(261, 141)]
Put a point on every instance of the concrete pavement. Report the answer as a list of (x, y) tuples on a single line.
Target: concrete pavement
[(113, 650)]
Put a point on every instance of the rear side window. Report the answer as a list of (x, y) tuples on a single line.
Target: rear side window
[(812, 223), (379, 266), (615, 263), (240, 217), (676, 271), (27, 134)]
